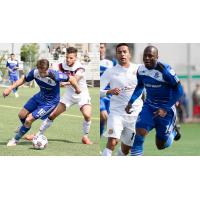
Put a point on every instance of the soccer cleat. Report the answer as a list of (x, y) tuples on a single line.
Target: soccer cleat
[(12, 142), (29, 137), (86, 140), (177, 128)]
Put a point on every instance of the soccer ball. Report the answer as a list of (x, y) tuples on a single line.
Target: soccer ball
[(40, 142)]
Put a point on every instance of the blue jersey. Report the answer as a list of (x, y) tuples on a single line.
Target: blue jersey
[(162, 86), (12, 65), (49, 86)]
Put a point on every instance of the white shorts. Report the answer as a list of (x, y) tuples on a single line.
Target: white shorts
[(81, 99), (121, 127)]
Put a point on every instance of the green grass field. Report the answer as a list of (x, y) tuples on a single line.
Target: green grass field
[(188, 145), (64, 136)]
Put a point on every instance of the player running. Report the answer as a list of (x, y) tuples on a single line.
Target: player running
[(71, 66), (12, 66), (42, 103), (122, 79), (163, 90)]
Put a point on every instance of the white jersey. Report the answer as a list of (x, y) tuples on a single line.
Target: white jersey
[(76, 70), (126, 80)]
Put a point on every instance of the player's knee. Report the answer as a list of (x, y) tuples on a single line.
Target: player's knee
[(87, 117), (103, 116), (21, 115), (29, 120)]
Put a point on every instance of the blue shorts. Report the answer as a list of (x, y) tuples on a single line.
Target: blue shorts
[(39, 108), (105, 104), (163, 125), (13, 78)]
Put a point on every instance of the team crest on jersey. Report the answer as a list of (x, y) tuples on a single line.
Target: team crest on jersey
[(156, 75)]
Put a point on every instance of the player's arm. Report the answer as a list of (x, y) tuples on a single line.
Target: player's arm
[(105, 80), (18, 83), (137, 92), (177, 90), (62, 77)]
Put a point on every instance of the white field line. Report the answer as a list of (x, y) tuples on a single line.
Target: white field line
[(77, 116)]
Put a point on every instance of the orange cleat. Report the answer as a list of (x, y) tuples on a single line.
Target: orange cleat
[(86, 140), (29, 137)]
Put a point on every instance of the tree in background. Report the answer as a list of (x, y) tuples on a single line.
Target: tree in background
[(30, 53)]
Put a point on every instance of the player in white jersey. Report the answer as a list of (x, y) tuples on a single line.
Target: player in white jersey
[(122, 79), (71, 66)]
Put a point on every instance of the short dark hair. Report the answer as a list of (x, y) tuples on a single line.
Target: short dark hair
[(12, 54), (122, 44), (42, 62), (72, 50)]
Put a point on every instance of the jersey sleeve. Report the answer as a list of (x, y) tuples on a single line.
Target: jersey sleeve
[(138, 90), (30, 76), (80, 72), (104, 81), (173, 81), (62, 77), (7, 64)]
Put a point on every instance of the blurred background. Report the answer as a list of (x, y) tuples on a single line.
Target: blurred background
[(185, 60)]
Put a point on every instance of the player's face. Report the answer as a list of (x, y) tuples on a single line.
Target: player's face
[(70, 59), (150, 58), (102, 50), (12, 57), (123, 55), (43, 71)]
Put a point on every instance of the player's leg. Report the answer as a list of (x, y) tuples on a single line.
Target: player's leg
[(165, 130), (60, 108), (143, 125), (127, 136), (104, 110), (22, 130), (86, 111), (15, 78), (113, 133)]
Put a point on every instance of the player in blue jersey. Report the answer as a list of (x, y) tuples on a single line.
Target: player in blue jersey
[(163, 90), (43, 103), (12, 66), (104, 101)]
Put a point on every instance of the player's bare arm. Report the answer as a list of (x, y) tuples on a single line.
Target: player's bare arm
[(73, 81), (128, 108), (18, 83)]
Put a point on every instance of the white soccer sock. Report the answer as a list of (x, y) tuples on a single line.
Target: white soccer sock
[(120, 153), (45, 125), (107, 152), (86, 127)]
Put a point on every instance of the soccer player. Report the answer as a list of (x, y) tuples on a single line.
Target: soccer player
[(122, 79), (163, 89), (42, 103), (104, 101), (74, 68), (12, 66)]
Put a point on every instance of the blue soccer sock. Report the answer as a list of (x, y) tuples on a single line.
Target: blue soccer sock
[(170, 139), (137, 148), (101, 128), (22, 131)]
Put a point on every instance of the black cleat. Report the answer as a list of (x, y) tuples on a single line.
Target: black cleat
[(177, 128)]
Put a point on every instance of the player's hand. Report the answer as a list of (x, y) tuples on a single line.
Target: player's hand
[(6, 92), (114, 91), (77, 91), (128, 108), (160, 112)]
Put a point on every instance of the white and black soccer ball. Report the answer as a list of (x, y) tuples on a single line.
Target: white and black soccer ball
[(40, 142)]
